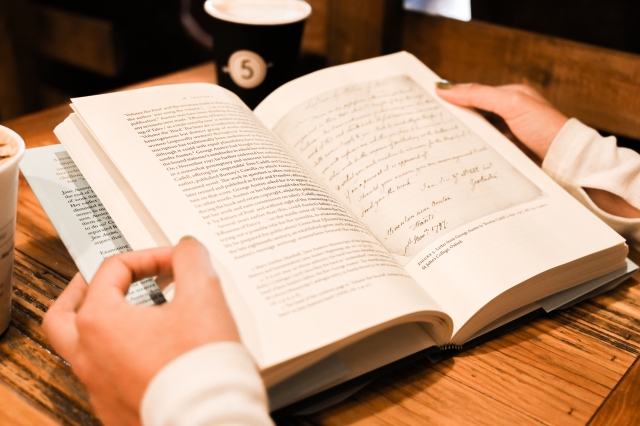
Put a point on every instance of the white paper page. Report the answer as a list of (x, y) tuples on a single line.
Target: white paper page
[(362, 357), (406, 167), (589, 289), (112, 189), (566, 298), (475, 215), (82, 222), (300, 270)]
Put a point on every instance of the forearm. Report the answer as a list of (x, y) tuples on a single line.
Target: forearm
[(612, 203)]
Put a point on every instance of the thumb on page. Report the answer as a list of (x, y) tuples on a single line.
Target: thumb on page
[(192, 270), (198, 289)]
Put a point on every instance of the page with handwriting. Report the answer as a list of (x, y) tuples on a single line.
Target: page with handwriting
[(306, 273), (466, 213), (387, 143)]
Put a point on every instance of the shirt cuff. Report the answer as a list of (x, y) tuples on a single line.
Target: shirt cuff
[(580, 157), (217, 383)]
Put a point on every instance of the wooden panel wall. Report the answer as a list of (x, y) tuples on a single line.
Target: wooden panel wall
[(599, 86), (361, 29), (314, 39), (604, 23), (29, 30), (11, 102), (83, 41)]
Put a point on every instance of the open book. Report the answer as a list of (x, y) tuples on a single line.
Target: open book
[(353, 215)]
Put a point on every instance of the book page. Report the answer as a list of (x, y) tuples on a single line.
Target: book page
[(308, 272), (82, 222), (466, 213), (396, 157)]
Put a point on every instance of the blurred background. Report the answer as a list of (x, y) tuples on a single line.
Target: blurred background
[(51, 50)]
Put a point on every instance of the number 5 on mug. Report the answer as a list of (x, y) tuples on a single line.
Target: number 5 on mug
[(246, 68)]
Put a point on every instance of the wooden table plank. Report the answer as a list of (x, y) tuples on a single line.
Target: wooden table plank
[(623, 406), (551, 371), (14, 410)]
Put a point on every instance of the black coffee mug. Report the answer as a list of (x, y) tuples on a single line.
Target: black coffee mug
[(256, 44)]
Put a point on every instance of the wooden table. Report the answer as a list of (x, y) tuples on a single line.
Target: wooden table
[(573, 367)]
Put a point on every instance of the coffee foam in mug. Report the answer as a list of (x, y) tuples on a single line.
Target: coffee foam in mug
[(8, 146), (258, 12)]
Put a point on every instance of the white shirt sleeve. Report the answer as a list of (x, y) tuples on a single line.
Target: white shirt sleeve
[(215, 384), (580, 157)]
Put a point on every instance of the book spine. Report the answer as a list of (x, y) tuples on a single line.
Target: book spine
[(450, 347)]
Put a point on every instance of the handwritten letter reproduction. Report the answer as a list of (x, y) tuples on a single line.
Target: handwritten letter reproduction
[(396, 158)]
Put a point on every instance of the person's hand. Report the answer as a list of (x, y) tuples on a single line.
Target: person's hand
[(531, 119), (116, 348)]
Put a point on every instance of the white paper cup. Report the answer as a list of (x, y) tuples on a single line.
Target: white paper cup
[(8, 207)]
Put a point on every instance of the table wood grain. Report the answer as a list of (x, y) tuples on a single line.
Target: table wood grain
[(574, 367)]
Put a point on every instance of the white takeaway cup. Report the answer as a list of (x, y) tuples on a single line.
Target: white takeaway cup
[(11, 151)]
